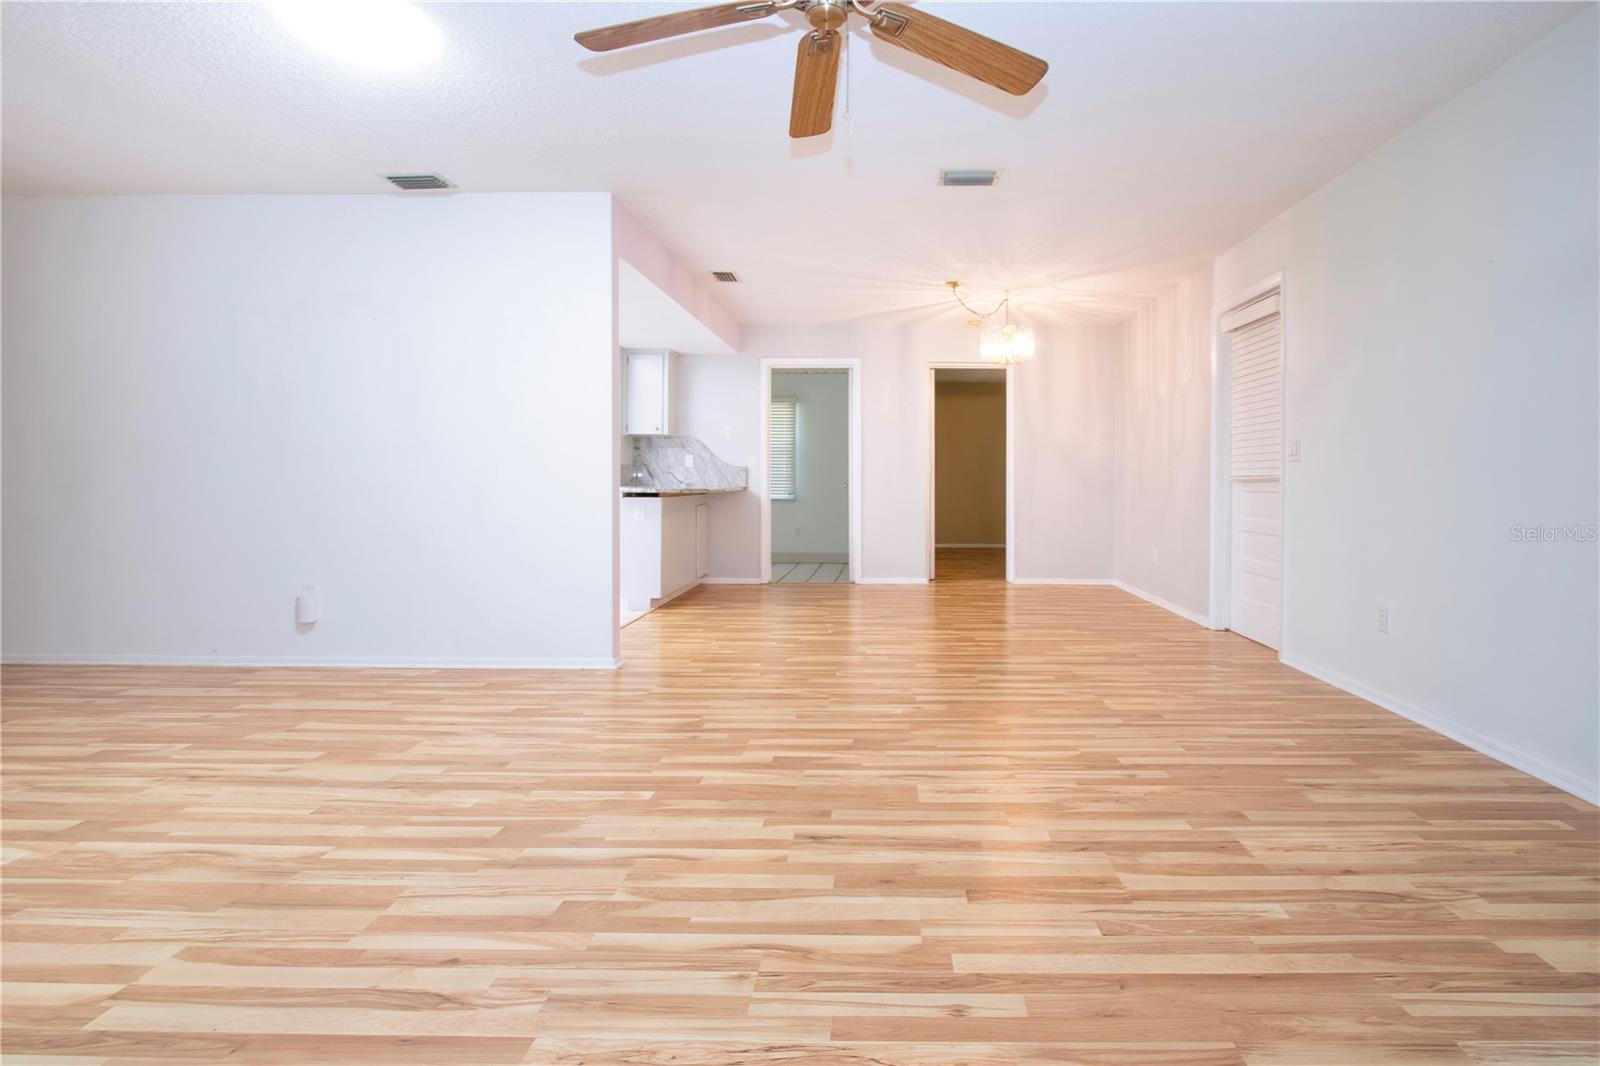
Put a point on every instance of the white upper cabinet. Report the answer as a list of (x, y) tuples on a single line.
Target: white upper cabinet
[(647, 391)]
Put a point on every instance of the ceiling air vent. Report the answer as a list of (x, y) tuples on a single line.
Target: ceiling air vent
[(724, 275), (414, 182), (966, 178)]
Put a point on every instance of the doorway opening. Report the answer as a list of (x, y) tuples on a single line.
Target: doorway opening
[(810, 530), (969, 477)]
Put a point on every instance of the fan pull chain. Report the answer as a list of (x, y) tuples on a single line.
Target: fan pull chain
[(849, 123)]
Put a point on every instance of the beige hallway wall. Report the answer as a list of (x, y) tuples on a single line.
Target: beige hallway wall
[(969, 472)]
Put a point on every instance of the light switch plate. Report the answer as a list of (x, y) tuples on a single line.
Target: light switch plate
[(1294, 449)]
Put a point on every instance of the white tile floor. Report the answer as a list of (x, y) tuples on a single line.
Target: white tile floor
[(810, 573)]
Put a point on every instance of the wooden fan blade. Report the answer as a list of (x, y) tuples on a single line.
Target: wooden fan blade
[(816, 73), (662, 26), (958, 48)]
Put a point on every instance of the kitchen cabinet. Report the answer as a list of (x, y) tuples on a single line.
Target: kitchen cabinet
[(647, 391), (702, 539), (664, 547)]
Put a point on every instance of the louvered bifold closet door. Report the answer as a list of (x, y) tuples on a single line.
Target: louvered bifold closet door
[(1255, 360)]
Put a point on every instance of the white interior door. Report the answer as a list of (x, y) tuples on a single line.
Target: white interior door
[(1257, 578), (1255, 469)]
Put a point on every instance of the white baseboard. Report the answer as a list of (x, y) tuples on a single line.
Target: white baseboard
[(1527, 762), (1149, 597), (659, 602), (731, 581), (1062, 581), (892, 581), (1001, 545), (290, 661), (675, 593)]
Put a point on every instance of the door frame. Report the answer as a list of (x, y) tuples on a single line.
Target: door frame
[(1011, 479), (1222, 530), (853, 496)]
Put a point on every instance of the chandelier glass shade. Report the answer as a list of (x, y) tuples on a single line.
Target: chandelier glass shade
[(1006, 344), (1003, 344)]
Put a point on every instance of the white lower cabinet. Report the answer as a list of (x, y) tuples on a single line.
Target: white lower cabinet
[(702, 539), (664, 547)]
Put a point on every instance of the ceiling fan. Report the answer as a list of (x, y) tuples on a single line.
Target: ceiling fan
[(817, 66)]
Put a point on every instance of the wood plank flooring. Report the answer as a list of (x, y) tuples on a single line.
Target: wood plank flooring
[(966, 824)]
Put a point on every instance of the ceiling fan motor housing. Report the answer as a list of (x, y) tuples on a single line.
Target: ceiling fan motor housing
[(827, 15)]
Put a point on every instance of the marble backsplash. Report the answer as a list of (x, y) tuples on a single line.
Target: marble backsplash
[(663, 464)]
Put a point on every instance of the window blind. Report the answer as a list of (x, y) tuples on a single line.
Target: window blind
[(780, 449), (1255, 356)]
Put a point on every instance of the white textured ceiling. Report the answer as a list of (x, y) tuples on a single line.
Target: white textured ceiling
[(1162, 134)]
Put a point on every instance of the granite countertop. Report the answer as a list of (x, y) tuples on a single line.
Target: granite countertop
[(677, 466), (631, 491)]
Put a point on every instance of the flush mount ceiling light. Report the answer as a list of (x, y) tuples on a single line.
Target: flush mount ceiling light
[(1006, 343), (374, 34)]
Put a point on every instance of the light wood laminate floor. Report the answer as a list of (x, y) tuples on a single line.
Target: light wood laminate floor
[(966, 824)]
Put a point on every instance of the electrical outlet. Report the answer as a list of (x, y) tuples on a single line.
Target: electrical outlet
[(1294, 449), (1383, 618), (688, 460)]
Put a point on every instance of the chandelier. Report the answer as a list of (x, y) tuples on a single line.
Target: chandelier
[(1006, 343)]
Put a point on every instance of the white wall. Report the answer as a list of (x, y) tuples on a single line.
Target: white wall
[(1441, 358), (1164, 448), (815, 524), (1065, 406), (717, 400), (212, 399), (709, 328)]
